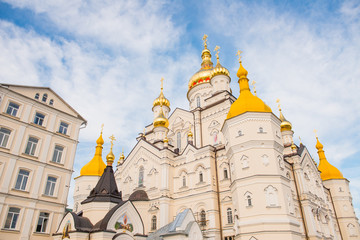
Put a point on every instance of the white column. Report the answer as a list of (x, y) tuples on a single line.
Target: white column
[(28, 224), (19, 138), (45, 149), (9, 174), (197, 126), (38, 176)]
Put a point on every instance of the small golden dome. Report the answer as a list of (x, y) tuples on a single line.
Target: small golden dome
[(327, 171), (219, 69), (190, 134), (285, 124), (121, 158), (96, 166), (110, 158), (246, 102), (161, 120), (161, 100)]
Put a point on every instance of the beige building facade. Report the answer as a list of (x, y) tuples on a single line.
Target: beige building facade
[(232, 162), (38, 137)]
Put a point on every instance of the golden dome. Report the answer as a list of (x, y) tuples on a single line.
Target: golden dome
[(285, 124), (121, 158), (327, 171), (219, 69), (246, 102), (161, 100), (110, 158), (203, 75), (96, 166), (161, 120)]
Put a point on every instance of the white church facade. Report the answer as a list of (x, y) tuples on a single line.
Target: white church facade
[(226, 168)]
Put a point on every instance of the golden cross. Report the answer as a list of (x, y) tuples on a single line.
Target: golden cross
[(102, 128), (217, 51), (239, 54), (315, 131), (300, 140), (278, 101), (112, 138), (162, 82), (205, 40)]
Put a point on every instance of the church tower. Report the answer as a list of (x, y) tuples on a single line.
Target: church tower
[(255, 152), (340, 194), (89, 175)]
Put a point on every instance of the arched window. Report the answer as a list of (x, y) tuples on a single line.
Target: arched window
[(51, 102), (229, 215), (37, 96), (197, 101), (153, 223), (240, 133), (44, 98), (249, 202), (141, 176), (184, 181), (261, 130), (226, 173), (201, 177), (202, 218), (178, 137)]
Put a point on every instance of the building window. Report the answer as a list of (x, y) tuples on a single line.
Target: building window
[(44, 98), (42, 222), (12, 218), (229, 216), (22, 179), (261, 130), (4, 136), (248, 199), (201, 177), (12, 109), (50, 186), (184, 181), (63, 128), (141, 176), (39, 119), (51, 102), (178, 137), (31, 146), (153, 223), (226, 173), (198, 101), (240, 133), (58, 151), (202, 218), (37, 96)]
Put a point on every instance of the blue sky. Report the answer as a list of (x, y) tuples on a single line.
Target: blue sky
[(106, 60)]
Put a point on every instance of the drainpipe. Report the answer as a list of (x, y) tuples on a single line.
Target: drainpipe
[(218, 195)]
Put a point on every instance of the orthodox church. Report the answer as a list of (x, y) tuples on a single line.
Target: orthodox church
[(226, 168)]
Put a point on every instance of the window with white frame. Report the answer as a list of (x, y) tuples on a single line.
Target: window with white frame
[(201, 177), (58, 151), (197, 101), (37, 96), (31, 146), (63, 128), (4, 136), (42, 222), (202, 218), (39, 119), (44, 98), (226, 173), (248, 199), (12, 109), (12, 217), (22, 179), (50, 186), (51, 102), (141, 176), (178, 138), (229, 216), (153, 223)]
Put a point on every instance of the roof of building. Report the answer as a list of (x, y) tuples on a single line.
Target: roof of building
[(139, 195)]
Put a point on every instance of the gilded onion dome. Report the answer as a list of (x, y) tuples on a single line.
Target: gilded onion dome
[(327, 171), (203, 75), (161, 100), (246, 102), (219, 69), (161, 120), (110, 157), (285, 124), (96, 166)]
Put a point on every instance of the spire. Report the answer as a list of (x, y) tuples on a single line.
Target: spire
[(285, 124), (161, 100), (206, 55), (96, 166), (327, 171), (246, 102), (110, 157)]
